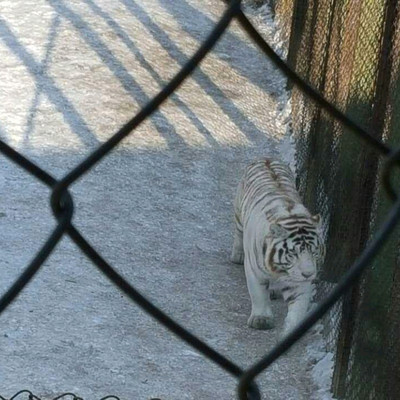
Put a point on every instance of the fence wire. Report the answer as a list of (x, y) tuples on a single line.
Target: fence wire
[(27, 394), (349, 50), (63, 208)]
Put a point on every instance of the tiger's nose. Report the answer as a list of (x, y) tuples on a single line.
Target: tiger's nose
[(307, 274)]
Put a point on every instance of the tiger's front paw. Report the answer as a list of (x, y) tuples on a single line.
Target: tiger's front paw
[(261, 322)]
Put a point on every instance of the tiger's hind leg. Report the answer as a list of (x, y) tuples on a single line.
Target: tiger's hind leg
[(275, 291), (275, 294), (237, 255)]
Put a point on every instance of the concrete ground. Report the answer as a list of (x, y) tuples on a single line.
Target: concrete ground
[(159, 208)]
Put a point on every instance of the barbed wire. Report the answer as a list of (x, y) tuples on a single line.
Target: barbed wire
[(63, 207)]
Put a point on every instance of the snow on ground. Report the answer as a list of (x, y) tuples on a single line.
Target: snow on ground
[(322, 364), (159, 208)]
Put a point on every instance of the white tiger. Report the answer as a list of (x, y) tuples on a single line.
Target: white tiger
[(276, 238)]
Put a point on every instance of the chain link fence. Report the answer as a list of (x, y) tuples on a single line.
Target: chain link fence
[(337, 175), (349, 51)]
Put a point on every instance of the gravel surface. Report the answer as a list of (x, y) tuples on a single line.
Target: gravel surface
[(159, 208)]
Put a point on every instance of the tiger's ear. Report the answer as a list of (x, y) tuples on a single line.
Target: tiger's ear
[(277, 231), (317, 220)]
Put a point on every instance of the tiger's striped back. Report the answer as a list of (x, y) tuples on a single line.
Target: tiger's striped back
[(267, 186)]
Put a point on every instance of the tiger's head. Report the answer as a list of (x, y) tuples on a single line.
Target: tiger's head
[(294, 247)]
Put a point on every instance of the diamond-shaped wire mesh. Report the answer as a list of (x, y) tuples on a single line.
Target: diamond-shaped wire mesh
[(349, 51)]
